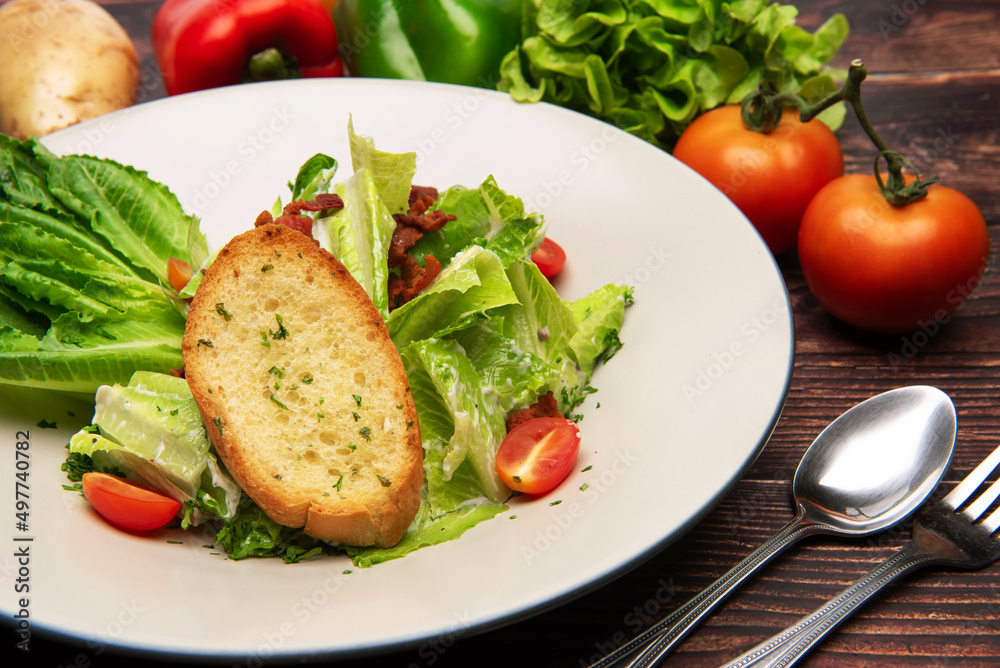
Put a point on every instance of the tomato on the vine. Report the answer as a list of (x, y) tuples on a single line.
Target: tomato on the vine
[(126, 504), (550, 258), (770, 177), (891, 269), (538, 454)]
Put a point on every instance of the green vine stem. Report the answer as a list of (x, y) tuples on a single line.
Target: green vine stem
[(762, 112)]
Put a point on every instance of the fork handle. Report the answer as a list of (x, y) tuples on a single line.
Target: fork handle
[(671, 629), (787, 647)]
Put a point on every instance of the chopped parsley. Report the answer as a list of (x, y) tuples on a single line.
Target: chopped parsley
[(175, 411), (357, 398), (319, 416), (584, 487), (555, 503), (267, 267), (280, 373), (220, 308), (275, 400), (353, 447), (382, 479), (307, 379), (366, 433), (277, 476), (355, 416), (586, 468), (206, 343), (409, 424), (263, 340), (282, 332), (218, 424), (340, 481)]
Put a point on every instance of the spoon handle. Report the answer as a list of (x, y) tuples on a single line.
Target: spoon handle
[(670, 630), (786, 648)]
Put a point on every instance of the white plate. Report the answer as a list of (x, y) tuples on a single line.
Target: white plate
[(684, 407)]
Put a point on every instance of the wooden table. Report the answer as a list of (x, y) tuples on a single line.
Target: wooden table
[(933, 94)]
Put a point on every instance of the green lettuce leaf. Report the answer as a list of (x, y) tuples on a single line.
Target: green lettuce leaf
[(652, 66), (425, 532), (392, 172), (359, 235), (477, 423), (470, 285), (141, 218)]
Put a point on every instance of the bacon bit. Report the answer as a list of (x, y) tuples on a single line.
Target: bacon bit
[(421, 198), (403, 239), (410, 227), (414, 279), (290, 217), (546, 406)]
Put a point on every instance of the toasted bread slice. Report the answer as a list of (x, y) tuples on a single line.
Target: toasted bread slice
[(302, 392)]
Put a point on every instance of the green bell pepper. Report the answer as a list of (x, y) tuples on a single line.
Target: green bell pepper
[(451, 41)]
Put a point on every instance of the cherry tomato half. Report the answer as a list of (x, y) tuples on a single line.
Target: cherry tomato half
[(550, 258), (890, 269), (178, 273), (126, 504), (538, 454), (770, 177)]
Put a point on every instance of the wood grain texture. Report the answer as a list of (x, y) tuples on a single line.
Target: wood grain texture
[(933, 94)]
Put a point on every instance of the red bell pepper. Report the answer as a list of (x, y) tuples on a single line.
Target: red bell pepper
[(203, 44)]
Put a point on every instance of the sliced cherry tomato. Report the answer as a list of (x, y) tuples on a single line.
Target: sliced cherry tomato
[(538, 454), (126, 504), (770, 177), (549, 257), (178, 272), (891, 269)]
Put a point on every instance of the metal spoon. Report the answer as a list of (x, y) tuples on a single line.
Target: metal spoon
[(869, 469)]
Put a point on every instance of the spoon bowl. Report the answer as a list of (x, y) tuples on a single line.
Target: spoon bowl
[(869, 469), (878, 462)]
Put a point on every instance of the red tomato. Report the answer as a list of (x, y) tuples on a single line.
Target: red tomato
[(126, 504), (178, 273), (770, 177), (538, 454), (550, 258), (891, 269)]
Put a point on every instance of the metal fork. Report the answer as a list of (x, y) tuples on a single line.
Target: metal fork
[(942, 535)]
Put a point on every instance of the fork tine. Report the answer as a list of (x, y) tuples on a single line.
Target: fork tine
[(964, 490), (982, 504), (992, 523)]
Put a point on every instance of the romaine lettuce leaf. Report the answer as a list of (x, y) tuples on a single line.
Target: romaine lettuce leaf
[(473, 283), (359, 235), (392, 172), (426, 531), (486, 216), (151, 430), (477, 423)]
